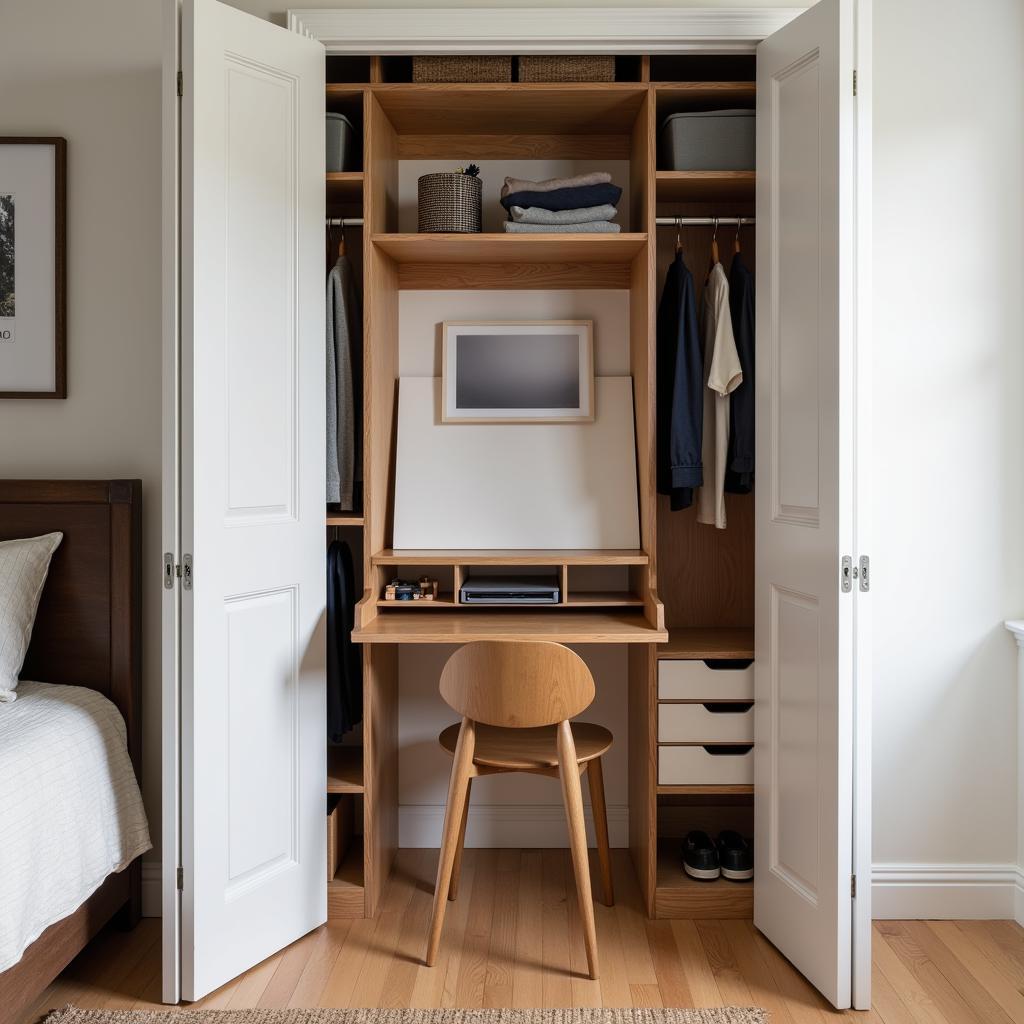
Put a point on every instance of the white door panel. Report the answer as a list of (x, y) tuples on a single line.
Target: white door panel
[(253, 492), (805, 494)]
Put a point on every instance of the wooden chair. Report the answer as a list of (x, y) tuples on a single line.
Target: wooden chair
[(516, 698)]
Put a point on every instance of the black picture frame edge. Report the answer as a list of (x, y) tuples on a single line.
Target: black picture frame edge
[(60, 146)]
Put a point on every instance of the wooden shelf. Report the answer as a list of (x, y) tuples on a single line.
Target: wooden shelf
[(603, 599), (344, 519), (441, 601), (465, 625), (344, 187), (500, 248), (607, 599), (701, 643), (704, 790), (673, 97), (705, 186), (679, 896), (344, 769), (511, 556), (514, 108), (346, 896)]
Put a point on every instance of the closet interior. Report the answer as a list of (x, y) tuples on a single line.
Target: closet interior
[(683, 600)]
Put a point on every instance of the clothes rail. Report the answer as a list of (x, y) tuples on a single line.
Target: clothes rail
[(344, 222), (684, 222)]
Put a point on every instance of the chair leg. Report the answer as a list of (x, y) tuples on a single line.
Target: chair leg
[(457, 794), (453, 885), (595, 779), (572, 794)]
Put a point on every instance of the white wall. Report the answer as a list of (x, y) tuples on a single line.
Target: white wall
[(948, 557)]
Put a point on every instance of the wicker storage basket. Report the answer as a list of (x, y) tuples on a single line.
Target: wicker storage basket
[(449, 203), (548, 68), (462, 69)]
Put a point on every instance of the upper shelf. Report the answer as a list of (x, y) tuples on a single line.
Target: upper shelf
[(514, 108), (676, 96), (705, 186), (511, 556), (459, 627), (502, 248), (708, 643), (344, 187)]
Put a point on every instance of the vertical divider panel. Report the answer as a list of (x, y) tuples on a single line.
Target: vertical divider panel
[(642, 747), (380, 373), (565, 584)]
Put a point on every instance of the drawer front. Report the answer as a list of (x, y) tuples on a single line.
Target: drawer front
[(697, 766), (696, 680), (706, 723)]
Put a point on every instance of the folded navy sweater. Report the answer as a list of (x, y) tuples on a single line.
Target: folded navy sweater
[(565, 198)]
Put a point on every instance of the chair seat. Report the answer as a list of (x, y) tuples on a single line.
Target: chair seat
[(523, 749)]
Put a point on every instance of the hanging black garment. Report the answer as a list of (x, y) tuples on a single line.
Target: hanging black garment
[(739, 473), (679, 389), (344, 661)]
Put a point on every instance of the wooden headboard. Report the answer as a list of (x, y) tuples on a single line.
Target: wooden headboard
[(88, 627)]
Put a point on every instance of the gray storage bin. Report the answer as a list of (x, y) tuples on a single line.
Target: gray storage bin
[(711, 140), (340, 143)]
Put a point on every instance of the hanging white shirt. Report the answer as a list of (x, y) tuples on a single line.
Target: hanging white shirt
[(723, 375)]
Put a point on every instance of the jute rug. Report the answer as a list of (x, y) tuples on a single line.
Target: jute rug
[(728, 1015)]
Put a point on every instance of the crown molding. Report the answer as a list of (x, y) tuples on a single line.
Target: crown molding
[(490, 30)]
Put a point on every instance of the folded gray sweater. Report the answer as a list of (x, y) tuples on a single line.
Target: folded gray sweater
[(522, 185), (593, 227), (538, 215)]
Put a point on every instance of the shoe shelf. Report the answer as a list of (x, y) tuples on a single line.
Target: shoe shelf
[(679, 896)]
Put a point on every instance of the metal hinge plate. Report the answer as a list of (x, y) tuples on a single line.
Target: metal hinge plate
[(865, 573), (186, 572), (181, 84), (854, 82), (181, 879), (853, 886), (846, 574), (170, 570)]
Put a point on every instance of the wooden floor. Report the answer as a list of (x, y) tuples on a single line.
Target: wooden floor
[(513, 939)]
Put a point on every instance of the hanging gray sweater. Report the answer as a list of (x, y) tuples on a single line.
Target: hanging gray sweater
[(344, 336)]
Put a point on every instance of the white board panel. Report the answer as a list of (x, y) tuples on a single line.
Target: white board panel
[(557, 485)]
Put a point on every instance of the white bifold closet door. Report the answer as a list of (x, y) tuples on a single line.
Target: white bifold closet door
[(252, 494), (806, 769)]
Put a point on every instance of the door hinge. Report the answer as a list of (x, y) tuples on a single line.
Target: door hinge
[(854, 82), (865, 570), (171, 570), (186, 572), (181, 85), (853, 886), (846, 574), (181, 879)]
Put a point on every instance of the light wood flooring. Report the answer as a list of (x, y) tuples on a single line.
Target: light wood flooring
[(513, 939)]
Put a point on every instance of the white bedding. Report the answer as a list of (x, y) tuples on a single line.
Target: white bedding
[(70, 807)]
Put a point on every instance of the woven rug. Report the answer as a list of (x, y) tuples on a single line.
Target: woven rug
[(727, 1015)]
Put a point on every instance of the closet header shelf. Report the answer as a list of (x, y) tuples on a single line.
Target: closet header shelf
[(709, 643), (459, 627), (677, 96), (344, 187), (705, 186)]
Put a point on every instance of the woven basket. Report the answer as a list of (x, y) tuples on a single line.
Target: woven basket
[(547, 68), (449, 203), (462, 69)]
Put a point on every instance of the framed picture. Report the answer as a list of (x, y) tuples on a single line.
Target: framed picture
[(517, 371), (32, 267)]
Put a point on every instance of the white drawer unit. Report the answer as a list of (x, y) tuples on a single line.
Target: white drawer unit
[(706, 723), (710, 765), (697, 680)]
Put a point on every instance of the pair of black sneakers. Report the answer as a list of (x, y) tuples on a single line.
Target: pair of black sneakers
[(730, 857)]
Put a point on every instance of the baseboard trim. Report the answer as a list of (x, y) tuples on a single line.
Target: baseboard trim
[(963, 892), (511, 826)]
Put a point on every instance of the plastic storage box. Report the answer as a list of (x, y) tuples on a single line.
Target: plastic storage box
[(340, 143), (712, 140)]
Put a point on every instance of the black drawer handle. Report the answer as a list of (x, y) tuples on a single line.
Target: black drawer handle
[(728, 749), (727, 708), (728, 664)]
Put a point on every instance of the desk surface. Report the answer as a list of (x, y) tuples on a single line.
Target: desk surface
[(459, 627)]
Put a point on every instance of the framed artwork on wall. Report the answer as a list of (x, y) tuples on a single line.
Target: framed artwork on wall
[(33, 174), (519, 371)]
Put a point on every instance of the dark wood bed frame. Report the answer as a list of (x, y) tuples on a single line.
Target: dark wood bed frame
[(87, 633)]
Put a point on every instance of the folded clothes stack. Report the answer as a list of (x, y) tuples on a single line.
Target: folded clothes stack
[(585, 203)]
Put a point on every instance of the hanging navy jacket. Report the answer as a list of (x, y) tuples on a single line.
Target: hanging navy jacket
[(344, 660), (739, 473), (680, 389)]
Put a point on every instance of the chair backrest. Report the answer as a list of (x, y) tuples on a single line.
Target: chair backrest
[(517, 684)]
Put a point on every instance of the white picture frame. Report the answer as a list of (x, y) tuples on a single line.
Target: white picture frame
[(517, 371)]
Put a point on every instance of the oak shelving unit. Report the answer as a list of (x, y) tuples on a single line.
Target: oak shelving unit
[(401, 120)]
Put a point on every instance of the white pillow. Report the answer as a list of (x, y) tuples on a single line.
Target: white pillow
[(23, 567)]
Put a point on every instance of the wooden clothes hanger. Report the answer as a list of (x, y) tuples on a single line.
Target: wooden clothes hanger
[(714, 246), (736, 240), (679, 241), (341, 241)]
